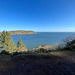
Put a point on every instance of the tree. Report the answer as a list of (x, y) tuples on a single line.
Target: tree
[(20, 43), (2, 40), (7, 43), (21, 46), (70, 42)]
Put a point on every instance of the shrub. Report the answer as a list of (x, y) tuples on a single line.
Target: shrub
[(41, 50), (15, 53), (70, 43), (5, 52)]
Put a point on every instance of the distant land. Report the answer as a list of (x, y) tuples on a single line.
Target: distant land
[(20, 32)]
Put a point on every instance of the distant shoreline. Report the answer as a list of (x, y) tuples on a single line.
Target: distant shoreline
[(20, 32)]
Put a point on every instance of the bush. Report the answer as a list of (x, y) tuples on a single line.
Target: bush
[(30, 51), (73, 46), (67, 48), (16, 53), (42, 51), (5, 52), (70, 43)]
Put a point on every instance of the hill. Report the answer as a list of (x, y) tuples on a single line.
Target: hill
[(20, 32)]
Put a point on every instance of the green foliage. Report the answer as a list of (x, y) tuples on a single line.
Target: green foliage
[(7, 43), (2, 40), (20, 43), (4, 52), (70, 43), (21, 46), (16, 53)]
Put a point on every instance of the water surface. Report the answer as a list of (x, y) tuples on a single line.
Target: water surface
[(41, 38)]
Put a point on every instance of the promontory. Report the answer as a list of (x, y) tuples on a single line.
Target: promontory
[(20, 32)]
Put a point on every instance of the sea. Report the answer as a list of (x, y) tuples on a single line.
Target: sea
[(42, 38)]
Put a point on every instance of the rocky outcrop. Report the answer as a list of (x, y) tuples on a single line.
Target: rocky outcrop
[(46, 47), (20, 32), (22, 49)]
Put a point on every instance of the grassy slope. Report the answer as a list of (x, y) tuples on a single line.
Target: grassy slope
[(53, 63)]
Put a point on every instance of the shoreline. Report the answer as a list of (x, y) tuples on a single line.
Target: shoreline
[(20, 32)]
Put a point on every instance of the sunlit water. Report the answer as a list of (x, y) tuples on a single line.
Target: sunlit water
[(41, 38)]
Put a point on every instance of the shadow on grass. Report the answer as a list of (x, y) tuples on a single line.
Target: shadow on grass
[(32, 63)]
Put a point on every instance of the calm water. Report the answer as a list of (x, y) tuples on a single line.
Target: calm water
[(41, 38)]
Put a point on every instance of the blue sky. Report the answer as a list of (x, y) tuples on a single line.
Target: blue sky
[(38, 15)]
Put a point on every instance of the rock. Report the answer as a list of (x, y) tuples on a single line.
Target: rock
[(47, 47), (22, 49)]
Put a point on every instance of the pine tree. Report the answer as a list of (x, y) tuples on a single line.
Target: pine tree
[(2, 40), (21, 46), (7, 43), (20, 43)]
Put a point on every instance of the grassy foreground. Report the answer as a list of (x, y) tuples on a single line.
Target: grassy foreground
[(52, 63)]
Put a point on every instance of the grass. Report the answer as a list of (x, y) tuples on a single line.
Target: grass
[(31, 63), (36, 64), (64, 52)]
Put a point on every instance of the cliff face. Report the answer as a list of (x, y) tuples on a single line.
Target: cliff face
[(20, 32)]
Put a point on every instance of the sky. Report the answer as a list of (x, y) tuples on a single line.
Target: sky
[(37, 15)]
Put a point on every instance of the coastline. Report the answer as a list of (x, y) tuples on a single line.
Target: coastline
[(20, 32)]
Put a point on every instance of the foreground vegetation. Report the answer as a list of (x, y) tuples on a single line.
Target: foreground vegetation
[(7, 44)]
